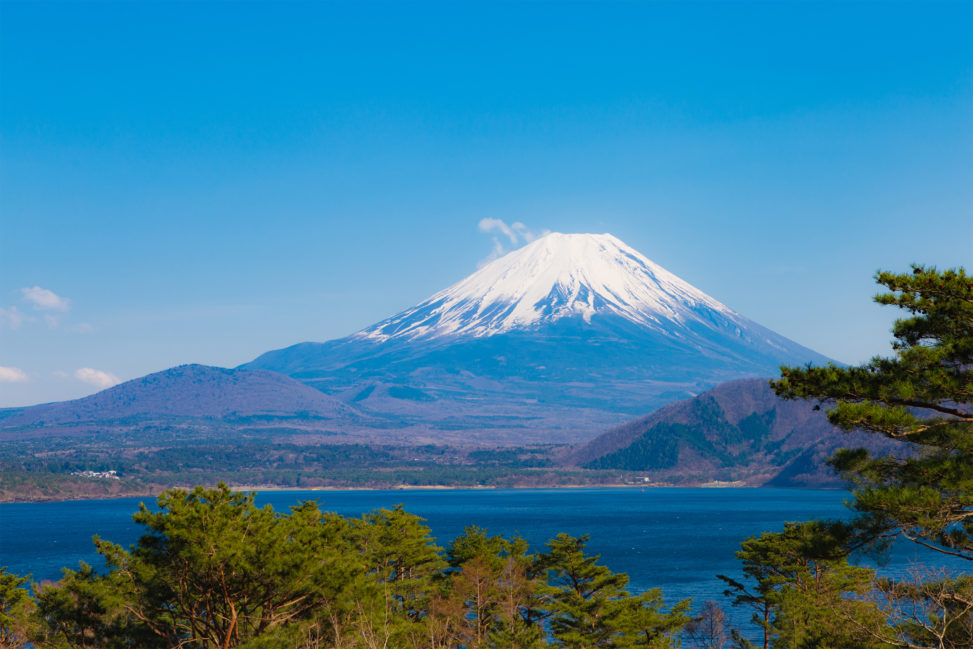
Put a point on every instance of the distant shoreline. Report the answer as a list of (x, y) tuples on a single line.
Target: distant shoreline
[(149, 494)]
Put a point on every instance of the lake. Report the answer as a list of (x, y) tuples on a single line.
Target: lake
[(677, 539)]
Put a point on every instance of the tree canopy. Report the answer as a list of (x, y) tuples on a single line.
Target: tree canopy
[(922, 396), (214, 571)]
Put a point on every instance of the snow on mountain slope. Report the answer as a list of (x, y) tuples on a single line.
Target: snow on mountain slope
[(555, 341), (556, 276)]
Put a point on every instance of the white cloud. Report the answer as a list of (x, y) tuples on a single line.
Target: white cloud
[(526, 234), (490, 225), (12, 318), (12, 375), (42, 298), (97, 378), (52, 321), (516, 232), (82, 328)]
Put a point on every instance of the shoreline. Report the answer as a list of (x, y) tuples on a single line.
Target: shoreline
[(431, 487)]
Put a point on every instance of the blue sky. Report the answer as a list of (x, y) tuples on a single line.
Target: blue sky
[(188, 182)]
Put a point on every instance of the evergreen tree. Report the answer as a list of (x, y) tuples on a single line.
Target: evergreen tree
[(15, 608), (398, 551), (921, 396), (87, 611), (584, 598), (648, 625), (495, 584), (214, 571), (803, 591)]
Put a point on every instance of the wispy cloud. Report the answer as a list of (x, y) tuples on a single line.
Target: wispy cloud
[(43, 298), (97, 378), (497, 225), (52, 307), (12, 375), (12, 318), (517, 233)]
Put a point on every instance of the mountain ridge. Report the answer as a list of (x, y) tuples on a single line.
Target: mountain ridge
[(558, 275), (185, 391), (554, 343), (570, 332), (739, 430)]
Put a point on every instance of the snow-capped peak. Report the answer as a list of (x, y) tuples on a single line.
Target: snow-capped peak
[(555, 276)]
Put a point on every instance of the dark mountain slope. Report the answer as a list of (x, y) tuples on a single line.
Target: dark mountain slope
[(187, 391), (554, 342), (737, 431)]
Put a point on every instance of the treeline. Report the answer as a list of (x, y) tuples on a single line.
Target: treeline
[(29, 470), (213, 570), (16, 485)]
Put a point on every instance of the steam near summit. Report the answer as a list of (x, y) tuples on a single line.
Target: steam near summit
[(556, 276), (554, 341)]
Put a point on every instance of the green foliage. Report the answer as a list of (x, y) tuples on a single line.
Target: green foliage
[(657, 449), (489, 596), (708, 435), (40, 469), (803, 591), (213, 570), (87, 610), (15, 607), (399, 553), (583, 594), (921, 396), (589, 606)]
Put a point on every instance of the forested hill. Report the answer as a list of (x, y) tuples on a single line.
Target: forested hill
[(199, 392), (737, 431)]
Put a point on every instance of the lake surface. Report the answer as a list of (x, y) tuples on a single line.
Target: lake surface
[(677, 539)]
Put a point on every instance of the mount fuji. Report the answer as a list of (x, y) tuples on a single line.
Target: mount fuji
[(554, 342)]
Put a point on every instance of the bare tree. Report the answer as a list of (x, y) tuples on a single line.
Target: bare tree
[(710, 629)]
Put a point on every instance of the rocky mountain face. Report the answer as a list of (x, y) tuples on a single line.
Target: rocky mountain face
[(738, 431)]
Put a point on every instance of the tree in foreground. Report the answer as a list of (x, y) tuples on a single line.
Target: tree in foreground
[(15, 607), (803, 591), (590, 607), (710, 629), (214, 571), (923, 397)]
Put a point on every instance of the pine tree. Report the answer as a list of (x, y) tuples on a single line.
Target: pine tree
[(922, 396), (803, 591), (584, 598), (15, 607)]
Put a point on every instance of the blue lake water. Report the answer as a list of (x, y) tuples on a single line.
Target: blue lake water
[(677, 539)]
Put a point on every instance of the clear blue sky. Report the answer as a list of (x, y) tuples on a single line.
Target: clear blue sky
[(186, 182)]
